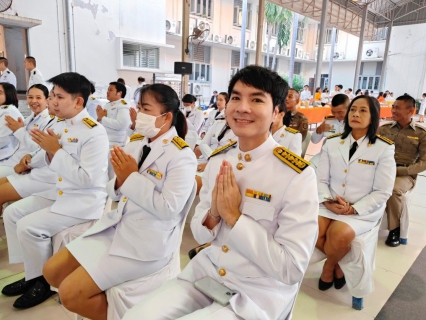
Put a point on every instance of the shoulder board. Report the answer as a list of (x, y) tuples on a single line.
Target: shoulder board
[(89, 122), (123, 102), (8, 71), (136, 137), (291, 130), (334, 135), (92, 98), (60, 120), (291, 159), (329, 117), (224, 148), (52, 116), (179, 142), (5, 107), (388, 141), (199, 108)]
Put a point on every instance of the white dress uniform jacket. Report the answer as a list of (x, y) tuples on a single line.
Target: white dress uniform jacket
[(81, 165), (8, 142), (213, 116), (91, 105), (265, 255), (149, 213), (289, 138), (210, 141), (35, 77), (9, 77), (366, 180), (196, 117), (116, 122), (25, 144), (336, 127)]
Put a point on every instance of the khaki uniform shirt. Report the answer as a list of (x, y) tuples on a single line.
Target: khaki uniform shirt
[(300, 123), (410, 147)]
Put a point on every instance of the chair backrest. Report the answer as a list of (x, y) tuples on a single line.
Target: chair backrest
[(305, 143)]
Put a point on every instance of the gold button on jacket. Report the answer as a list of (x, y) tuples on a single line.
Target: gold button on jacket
[(222, 272)]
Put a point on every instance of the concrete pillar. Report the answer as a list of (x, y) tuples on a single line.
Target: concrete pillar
[(360, 46), (259, 33), (321, 41), (186, 4), (243, 34), (385, 58)]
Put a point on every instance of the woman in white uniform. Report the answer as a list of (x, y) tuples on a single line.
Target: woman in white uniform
[(37, 101), (139, 238), (194, 116), (356, 174), (287, 137), (219, 114), (8, 107), (422, 108)]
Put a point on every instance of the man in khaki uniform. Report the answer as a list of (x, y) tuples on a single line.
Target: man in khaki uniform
[(410, 158), (293, 118)]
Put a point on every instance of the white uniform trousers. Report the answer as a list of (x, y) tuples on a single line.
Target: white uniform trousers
[(29, 225), (6, 171), (179, 299)]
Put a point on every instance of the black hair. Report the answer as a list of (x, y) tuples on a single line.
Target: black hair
[(350, 89), (339, 99), (262, 79), (41, 87), (10, 93), (225, 95), (92, 88), (73, 83), (381, 94), (119, 87), (317, 89), (141, 79), (169, 99), (366, 93), (189, 98), (121, 80), (5, 61), (215, 91), (409, 100), (385, 95), (358, 91), (32, 60), (374, 107), (340, 86), (424, 94)]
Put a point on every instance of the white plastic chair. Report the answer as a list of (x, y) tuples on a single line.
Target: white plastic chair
[(358, 265)]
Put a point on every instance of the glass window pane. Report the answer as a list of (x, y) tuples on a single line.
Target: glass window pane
[(208, 73), (370, 82), (376, 83), (203, 72), (364, 83), (197, 71)]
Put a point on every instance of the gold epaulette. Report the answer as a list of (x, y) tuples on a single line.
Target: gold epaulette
[(388, 141), (52, 116), (60, 119), (89, 122), (136, 137), (291, 130), (199, 108), (123, 102), (179, 142), (224, 148), (5, 107), (334, 135), (330, 117), (291, 159), (93, 98)]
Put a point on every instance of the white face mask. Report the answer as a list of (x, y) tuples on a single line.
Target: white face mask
[(145, 125), (188, 108)]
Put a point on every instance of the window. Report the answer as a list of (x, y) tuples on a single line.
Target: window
[(380, 34), (202, 8), (270, 62), (274, 32), (201, 68), (140, 56), (328, 35), (368, 82), (301, 32), (238, 14), (235, 62), (297, 67)]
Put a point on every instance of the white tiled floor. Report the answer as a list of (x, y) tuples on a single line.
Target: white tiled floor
[(391, 265)]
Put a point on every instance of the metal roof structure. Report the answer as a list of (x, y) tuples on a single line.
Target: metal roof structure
[(346, 15)]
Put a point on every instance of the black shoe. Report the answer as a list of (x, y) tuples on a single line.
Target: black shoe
[(17, 288), (322, 285), (37, 294), (339, 283), (193, 252), (393, 238)]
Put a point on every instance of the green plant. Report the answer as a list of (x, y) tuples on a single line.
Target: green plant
[(298, 81)]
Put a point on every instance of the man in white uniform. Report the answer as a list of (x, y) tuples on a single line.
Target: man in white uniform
[(6, 74), (262, 228), (35, 74), (79, 156), (92, 102), (306, 94), (337, 89)]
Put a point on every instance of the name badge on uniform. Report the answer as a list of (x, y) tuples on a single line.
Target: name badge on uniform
[(155, 174), (73, 140), (368, 162), (35, 125), (412, 137), (258, 195)]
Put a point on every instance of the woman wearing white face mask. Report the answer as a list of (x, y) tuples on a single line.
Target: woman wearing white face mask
[(139, 238), (194, 116)]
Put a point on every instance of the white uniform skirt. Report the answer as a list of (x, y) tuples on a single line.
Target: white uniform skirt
[(108, 270), (25, 186), (359, 226)]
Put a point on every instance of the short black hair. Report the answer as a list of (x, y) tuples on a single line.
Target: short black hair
[(10, 93), (350, 89), (119, 87), (410, 102), (339, 99), (121, 80), (374, 107), (32, 60), (41, 87), (5, 61), (92, 88), (189, 98), (262, 79), (73, 83), (141, 79), (340, 86), (215, 91)]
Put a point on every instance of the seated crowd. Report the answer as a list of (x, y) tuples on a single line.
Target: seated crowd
[(258, 230)]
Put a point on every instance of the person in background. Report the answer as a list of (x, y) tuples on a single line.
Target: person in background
[(287, 137), (410, 158), (366, 93), (219, 114), (325, 97), (358, 92), (6, 75), (349, 93), (137, 93), (127, 95), (337, 89), (293, 118), (35, 75), (213, 99), (195, 116), (92, 103), (372, 93), (364, 162), (318, 95), (306, 94), (422, 108), (381, 97)]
